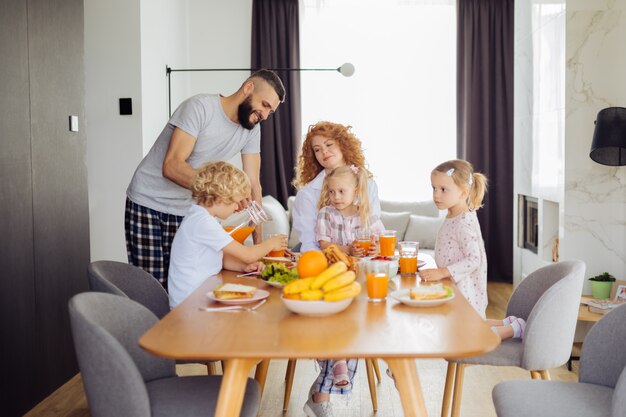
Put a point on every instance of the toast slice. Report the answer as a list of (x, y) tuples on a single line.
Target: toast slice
[(429, 292), (233, 291)]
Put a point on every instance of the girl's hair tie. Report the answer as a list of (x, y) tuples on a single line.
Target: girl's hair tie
[(450, 172), (471, 179), (354, 169)]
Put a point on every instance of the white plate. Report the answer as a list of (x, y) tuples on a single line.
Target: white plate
[(275, 284), (276, 259), (316, 308), (420, 263), (404, 297), (258, 295)]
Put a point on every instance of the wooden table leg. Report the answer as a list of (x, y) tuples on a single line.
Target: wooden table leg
[(261, 373), (233, 387), (408, 384)]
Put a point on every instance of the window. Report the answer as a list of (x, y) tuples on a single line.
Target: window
[(401, 101)]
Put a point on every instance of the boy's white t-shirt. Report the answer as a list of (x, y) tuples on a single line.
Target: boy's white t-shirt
[(196, 253)]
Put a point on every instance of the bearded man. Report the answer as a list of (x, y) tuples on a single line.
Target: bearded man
[(205, 127)]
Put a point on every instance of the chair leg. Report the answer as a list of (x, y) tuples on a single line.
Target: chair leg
[(535, 374), (545, 375), (211, 367), (260, 375), (369, 367), (376, 369), (291, 370), (447, 391), (457, 394)]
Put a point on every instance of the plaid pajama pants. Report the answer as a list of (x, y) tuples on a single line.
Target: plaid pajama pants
[(149, 236), (324, 381)]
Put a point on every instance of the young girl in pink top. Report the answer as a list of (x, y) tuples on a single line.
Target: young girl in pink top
[(459, 249)]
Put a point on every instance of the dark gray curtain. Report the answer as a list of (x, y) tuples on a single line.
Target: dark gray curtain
[(276, 44), (485, 118)]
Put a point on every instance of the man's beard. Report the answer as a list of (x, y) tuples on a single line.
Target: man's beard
[(244, 111)]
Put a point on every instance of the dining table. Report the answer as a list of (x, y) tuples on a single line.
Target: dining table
[(388, 330)]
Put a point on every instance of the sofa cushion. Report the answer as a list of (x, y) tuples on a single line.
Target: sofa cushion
[(423, 229), (420, 208), (396, 221)]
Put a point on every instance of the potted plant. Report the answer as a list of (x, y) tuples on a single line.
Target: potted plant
[(601, 285)]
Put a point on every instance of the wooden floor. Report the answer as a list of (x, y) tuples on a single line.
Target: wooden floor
[(69, 400)]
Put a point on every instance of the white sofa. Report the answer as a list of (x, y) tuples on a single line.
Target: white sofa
[(418, 221)]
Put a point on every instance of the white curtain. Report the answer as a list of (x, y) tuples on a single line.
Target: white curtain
[(401, 100)]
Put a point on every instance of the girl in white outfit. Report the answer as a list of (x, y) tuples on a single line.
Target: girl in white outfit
[(460, 250)]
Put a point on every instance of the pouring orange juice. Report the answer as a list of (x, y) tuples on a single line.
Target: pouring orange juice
[(240, 225)]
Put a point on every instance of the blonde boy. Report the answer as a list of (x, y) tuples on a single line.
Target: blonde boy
[(201, 247)]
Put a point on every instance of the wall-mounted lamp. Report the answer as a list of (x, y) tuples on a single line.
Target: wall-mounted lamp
[(609, 137), (347, 70)]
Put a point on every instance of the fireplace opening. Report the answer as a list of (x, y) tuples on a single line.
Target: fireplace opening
[(528, 223)]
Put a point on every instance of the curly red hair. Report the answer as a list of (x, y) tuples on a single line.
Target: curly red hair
[(308, 167)]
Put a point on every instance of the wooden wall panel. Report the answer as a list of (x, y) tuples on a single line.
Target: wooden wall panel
[(17, 304), (60, 204)]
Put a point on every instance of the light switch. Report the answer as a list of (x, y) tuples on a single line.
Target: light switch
[(73, 123)]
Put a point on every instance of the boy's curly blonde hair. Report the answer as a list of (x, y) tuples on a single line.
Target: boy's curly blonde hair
[(307, 166), (219, 180)]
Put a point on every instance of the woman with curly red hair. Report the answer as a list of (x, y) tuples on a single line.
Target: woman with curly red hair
[(327, 146)]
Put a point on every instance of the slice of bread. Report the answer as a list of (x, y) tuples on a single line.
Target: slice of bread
[(429, 292), (232, 291)]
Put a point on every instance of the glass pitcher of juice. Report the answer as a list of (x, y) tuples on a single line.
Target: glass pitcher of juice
[(240, 225)]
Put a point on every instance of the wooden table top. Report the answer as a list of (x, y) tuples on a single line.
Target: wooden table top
[(364, 330)]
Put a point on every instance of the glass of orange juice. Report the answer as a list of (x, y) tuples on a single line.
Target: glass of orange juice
[(408, 257), (387, 241), (376, 280), (275, 253), (364, 240)]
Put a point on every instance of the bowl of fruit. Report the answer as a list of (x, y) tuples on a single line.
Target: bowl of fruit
[(329, 292), (394, 261)]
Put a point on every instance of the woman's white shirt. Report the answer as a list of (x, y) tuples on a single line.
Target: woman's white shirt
[(305, 210)]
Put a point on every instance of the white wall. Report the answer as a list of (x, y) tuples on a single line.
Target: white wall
[(554, 120), (127, 46), (112, 71), (595, 195)]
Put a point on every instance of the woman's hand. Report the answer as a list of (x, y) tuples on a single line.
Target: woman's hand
[(434, 274)]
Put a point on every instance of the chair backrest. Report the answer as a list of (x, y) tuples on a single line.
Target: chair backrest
[(603, 356), (105, 329), (129, 281), (618, 404), (551, 324), (534, 286)]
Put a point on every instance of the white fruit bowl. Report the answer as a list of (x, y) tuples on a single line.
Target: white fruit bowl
[(316, 308)]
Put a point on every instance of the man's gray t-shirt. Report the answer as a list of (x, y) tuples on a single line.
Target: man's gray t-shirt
[(217, 139)]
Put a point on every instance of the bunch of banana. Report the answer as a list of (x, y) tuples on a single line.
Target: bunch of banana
[(333, 284)]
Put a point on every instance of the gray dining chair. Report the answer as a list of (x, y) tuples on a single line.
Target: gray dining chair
[(121, 379), (601, 387), (130, 281), (548, 300)]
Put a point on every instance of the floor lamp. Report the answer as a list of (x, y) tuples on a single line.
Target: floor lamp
[(346, 70)]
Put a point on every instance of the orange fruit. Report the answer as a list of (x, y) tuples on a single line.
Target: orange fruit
[(311, 263)]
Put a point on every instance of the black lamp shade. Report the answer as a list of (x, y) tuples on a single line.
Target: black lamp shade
[(609, 137)]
